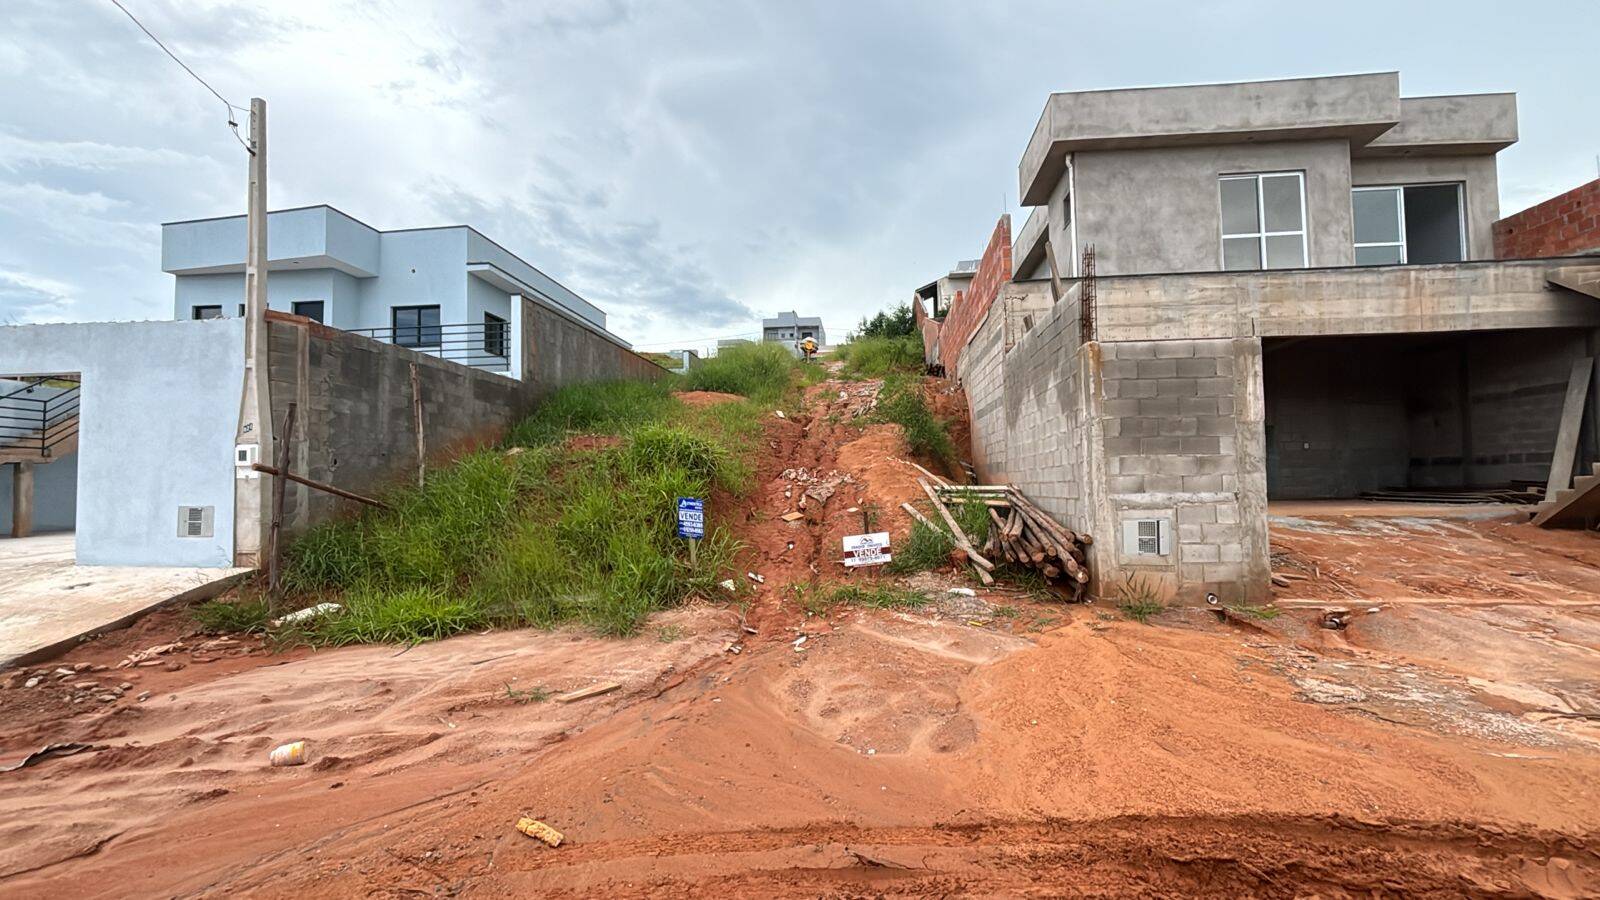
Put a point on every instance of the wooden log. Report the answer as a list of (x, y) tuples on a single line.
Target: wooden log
[(962, 541), (325, 488), (275, 537)]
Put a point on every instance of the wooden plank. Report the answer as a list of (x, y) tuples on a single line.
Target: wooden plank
[(275, 538), (962, 541), (596, 690), (1571, 418), (326, 488)]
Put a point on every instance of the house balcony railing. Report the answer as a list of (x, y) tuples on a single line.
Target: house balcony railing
[(40, 418), (486, 345)]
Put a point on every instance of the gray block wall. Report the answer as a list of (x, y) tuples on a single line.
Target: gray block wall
[(356, 426), (1183, 425)]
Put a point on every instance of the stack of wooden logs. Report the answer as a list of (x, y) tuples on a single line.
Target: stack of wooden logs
[(1019, 533)]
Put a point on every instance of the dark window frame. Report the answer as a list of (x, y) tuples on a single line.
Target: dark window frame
[(416, 335), (496, 336), (322, 309), (195, 311)]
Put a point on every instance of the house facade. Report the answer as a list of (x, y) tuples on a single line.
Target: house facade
[(1294, 296), (790, 327), (1298, 173), (449, 290)]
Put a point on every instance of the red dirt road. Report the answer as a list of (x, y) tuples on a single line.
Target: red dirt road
[(1043, 751)]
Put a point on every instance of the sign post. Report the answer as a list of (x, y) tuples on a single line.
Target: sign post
[(867, 549), (692, 525)]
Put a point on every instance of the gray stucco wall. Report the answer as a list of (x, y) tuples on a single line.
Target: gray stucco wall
[(1159, 210), (1478, 176), (158, 410)]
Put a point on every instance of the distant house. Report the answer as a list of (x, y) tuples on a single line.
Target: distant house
[(447, 291), (679, 361), (790, 328)]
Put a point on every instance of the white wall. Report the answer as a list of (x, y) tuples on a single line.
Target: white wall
[(158, 410)]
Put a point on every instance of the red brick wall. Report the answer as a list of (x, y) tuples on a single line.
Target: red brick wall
[(1561, 226), (969, 308)]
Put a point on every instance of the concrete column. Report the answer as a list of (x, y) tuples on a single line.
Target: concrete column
[(21, 499)]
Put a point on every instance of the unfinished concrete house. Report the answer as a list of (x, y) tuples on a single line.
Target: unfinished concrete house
[(1232, 294)]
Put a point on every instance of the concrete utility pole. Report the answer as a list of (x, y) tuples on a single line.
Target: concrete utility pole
[(254, 437)]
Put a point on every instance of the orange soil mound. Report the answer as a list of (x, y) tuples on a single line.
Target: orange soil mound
[(706, 398)]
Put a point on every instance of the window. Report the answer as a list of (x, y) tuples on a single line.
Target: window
[(496, 336), (1418, 223), (1263, 221), (416, 326), (311, 309), (206, 312), (241, 310)]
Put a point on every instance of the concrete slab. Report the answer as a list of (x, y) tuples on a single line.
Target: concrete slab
[(1286, 510), (46, 600)]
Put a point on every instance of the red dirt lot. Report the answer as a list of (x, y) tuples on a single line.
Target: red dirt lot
[(993, 745)]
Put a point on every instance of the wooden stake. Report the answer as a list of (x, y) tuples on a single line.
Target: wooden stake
[(416, 411), (962, 540), (275, 548)]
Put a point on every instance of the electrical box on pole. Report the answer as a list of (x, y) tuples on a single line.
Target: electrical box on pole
[(255, 404)]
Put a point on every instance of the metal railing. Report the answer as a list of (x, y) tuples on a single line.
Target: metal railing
[(38, 423), (486, 345)]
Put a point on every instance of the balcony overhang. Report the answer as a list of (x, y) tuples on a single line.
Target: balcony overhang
[(1461, 125)]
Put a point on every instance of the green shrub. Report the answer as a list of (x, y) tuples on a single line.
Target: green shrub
[(876, 357), (406, 616), (901, 402)]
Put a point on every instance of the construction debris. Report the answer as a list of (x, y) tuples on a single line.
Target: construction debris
[(301, 615), (1024, 534), (536, 829)]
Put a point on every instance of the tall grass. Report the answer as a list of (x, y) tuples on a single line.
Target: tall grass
[(876, 357), (548, 534), (926, 548), (901, 402), (762, 372)]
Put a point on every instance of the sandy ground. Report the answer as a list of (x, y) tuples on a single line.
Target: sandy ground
[(991, 745)]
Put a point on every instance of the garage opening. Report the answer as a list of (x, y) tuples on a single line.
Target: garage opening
[(1352, 416), (39, 456)]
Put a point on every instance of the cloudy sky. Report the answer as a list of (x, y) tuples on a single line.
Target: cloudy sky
[(688, 166)]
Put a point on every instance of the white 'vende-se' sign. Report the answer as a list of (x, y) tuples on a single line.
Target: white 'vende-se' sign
[(866, 549)]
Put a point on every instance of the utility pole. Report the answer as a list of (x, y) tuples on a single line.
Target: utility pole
[(254, 438)]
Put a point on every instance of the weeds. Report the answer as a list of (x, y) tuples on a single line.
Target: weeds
[(876, 357), (761, 372), (926, 548), (1263, 613), (901, 402), (538, 694), (406, 616), (877, 596), (601, 408), (246, 614), (1138, 599)]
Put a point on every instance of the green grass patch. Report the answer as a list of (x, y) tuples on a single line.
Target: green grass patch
[(242, 614), (877, 357), (762, 372), (877, 596), (601, 408), (926, 548), (1137, 599), (901, 402), (537, 694)]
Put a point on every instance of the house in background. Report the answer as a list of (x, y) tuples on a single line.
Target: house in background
[(791, 328), (447, 291), (941, 293)]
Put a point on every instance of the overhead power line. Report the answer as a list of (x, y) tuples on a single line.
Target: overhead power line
[(230, 107)]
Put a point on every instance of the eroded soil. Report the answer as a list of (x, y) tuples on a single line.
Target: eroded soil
[(997, 744)]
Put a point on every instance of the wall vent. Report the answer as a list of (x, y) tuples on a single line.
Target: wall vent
[(195, 521), (1147, 537)]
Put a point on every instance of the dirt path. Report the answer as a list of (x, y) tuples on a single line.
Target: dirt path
[(1001, 746)]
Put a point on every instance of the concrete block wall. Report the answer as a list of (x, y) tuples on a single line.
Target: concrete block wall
[(356, 426), (1047, 418), (1183, 431)]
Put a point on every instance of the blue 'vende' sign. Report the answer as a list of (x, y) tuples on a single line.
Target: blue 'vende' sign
[(691, 518)]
